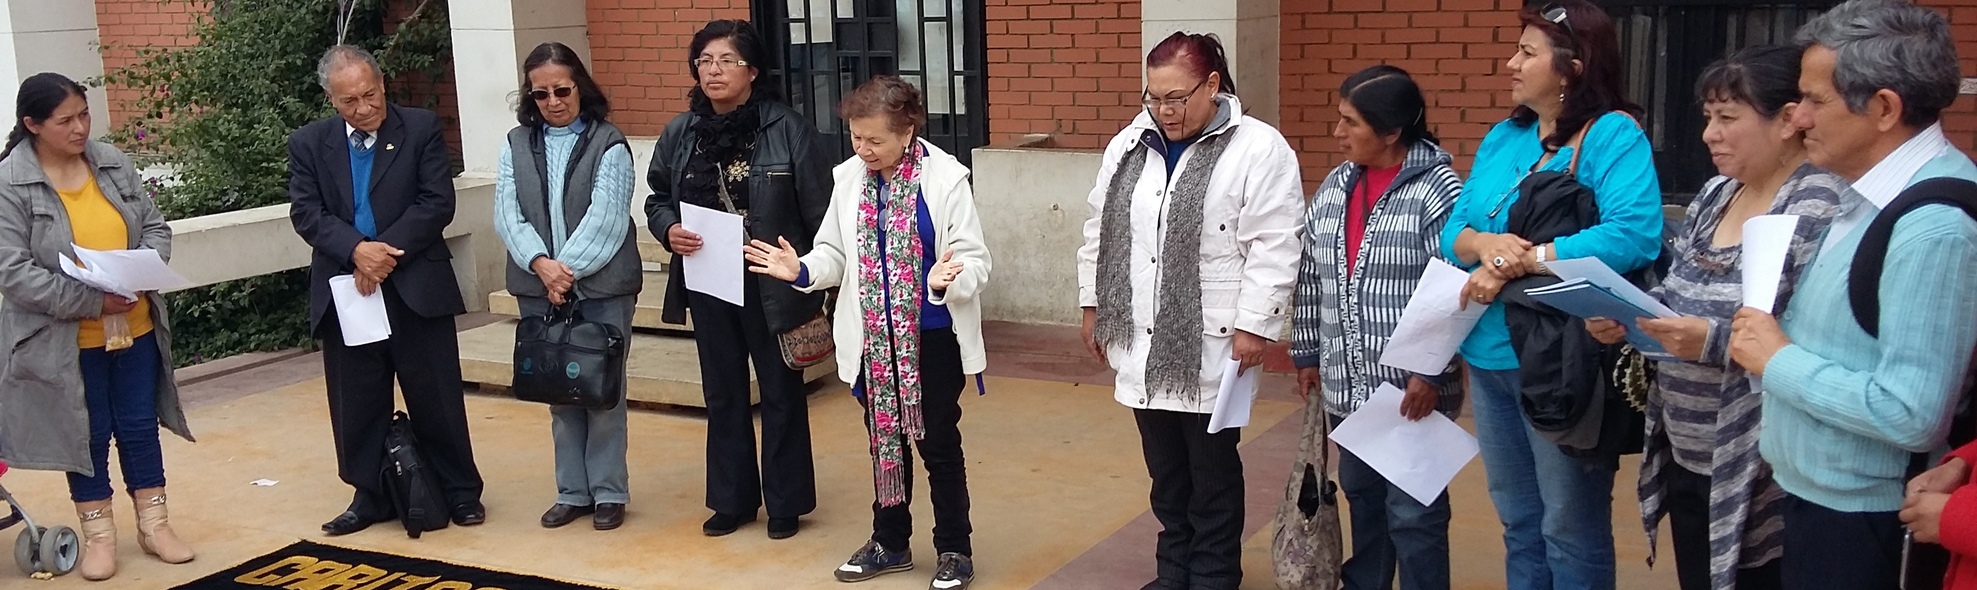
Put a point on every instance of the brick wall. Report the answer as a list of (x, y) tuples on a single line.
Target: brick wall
[(1454, 49), (1961, 120), (638, 54), (1064, 67), (125, 26)]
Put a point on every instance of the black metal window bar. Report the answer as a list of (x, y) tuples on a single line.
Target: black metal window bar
[(1666, 45), (832, 46)]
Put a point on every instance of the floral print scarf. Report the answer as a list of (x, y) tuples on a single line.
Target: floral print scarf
[(890, 293)]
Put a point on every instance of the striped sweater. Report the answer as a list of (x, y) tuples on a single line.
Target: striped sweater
[(1702, 416), (1341, 321)]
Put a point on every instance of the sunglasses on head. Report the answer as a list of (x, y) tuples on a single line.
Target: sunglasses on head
[(1557, 15), (560, 91)]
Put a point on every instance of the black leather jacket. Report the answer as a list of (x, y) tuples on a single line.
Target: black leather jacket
[(789, 189)]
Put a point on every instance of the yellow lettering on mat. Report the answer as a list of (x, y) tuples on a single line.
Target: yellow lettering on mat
[(321, 569), (414, 582), (349, 579), (266, 576)]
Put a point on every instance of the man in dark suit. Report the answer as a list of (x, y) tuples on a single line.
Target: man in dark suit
[(370, 190)]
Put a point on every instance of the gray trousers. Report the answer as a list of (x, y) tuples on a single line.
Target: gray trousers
[(590, 444)]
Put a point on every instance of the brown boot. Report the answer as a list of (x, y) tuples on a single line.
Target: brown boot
[(154, 530), (99, 541)]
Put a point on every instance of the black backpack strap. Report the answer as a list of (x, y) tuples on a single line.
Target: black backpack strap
[(1864, 278)]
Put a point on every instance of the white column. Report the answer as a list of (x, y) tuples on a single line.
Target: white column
[(1249, 30), (490, 40), (42, 36)]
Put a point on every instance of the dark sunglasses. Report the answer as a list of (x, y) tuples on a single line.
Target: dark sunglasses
[(1557, 15), (561, 92)]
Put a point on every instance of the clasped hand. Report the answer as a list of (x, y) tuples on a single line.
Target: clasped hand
[(374, 261)]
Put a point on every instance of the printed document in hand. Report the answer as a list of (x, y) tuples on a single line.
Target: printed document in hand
[(1419, 457), (1434, 324), (362, 317), (1767, 242), (717, 268), (124, 272), (1232, 401)]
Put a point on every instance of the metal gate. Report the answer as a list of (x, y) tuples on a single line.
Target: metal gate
[(1666, 45), (832, 46)]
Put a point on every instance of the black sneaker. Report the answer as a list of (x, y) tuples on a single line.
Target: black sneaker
[(872, 561), (955, 572)]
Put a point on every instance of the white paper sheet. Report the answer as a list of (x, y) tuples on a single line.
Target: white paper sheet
[(1767, 242), (1597, 273), (1434, 324), (717, 268), (1232, 401), (362, 318), (1419, 457), (124, 272)]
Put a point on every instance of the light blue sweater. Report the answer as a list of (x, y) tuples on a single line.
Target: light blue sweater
[(602, 228), (1618, 166), (1843, 410)]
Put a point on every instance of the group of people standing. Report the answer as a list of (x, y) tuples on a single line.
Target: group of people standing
[(1777, 449)]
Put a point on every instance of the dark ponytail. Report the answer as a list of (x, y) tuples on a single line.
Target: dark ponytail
[(1200, 53), (40, 95), (1389, 100)]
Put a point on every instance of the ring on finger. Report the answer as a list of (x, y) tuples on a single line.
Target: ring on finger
[(1498, 261)]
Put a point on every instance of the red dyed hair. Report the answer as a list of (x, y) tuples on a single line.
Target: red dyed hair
[(1199, 53), (1590, 37)]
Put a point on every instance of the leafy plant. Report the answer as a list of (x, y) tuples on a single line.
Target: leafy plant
[(218, 113)]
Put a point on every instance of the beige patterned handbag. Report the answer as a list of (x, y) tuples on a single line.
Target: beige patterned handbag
[(1308, 548), (808, 344)]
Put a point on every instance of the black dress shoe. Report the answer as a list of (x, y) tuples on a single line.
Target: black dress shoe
[(609, 516), (562, 514), (782, 527), (469, 514), (722, 524), (348, 522)]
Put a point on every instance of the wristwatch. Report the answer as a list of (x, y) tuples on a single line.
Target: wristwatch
[(1540, 267)]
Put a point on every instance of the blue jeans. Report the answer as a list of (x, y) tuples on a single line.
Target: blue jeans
[(1557, 510), (120, 389), (1390, 528)]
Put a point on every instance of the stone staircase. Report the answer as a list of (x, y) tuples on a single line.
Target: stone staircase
[(663, 365)]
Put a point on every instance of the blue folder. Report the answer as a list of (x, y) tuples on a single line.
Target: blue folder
[(1586, 300)]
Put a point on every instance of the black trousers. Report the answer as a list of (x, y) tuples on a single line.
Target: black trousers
[(728, 338), (1198, 498), (423, 355), (941, 384), (1686, 498), (1828, 549)]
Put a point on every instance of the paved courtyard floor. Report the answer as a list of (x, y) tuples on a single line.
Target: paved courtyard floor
[(1057, 483)]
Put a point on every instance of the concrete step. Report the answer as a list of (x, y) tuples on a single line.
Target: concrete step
[(660, 369), (649, 249), (651, 302)]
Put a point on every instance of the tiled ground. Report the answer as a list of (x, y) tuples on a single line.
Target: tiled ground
[(1058, 487)]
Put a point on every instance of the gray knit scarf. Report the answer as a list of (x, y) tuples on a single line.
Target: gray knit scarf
[(1173, 366)]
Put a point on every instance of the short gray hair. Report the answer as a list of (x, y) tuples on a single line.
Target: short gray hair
[(1893, 45), (340, 56)]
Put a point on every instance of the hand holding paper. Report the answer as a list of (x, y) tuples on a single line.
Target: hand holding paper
[(1419, 457), (361, 316), (1434, 323), (123, 272), (1767, 242), (1232, 402), (718, 268)]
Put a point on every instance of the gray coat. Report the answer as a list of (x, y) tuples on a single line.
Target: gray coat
[(44, 423)]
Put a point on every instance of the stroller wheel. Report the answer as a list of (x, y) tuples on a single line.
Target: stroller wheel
[(60, 550), (25, 553)]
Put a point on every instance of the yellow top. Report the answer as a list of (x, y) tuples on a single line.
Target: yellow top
[(98, 225)]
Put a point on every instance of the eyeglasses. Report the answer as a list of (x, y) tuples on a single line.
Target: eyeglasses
[(726, 63), (560, 92), (1557, 15), (1154, 104)]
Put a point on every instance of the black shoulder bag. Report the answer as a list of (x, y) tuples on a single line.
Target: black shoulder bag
[(563, 360)]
